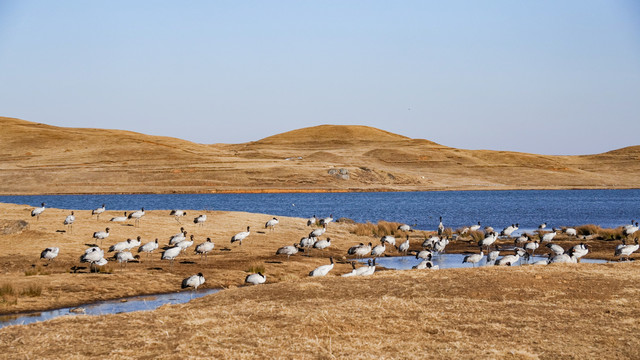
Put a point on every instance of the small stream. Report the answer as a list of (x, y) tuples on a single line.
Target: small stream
[(447, 261), (123, 305)]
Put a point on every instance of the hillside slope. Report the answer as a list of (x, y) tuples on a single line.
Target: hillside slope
[(38, 158)]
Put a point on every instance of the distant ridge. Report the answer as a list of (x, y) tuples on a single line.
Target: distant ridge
[(44, 159), (328, 133)]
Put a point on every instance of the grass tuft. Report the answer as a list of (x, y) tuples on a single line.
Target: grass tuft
[(7, 289), (32, 291), (256, 268), (382, 228)]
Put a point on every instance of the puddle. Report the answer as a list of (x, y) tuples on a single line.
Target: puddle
[(447, 261), (117, 306)]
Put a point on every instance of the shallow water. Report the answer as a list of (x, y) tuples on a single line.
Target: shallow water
[(448, 261), (124, 305), (529, 208)]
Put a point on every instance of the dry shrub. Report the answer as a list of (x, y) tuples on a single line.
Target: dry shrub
[(476, 235), (32, 291), (36, 271), (7, 289), (447, 232), (610, 234), (255, 268), (382, 228), (588, 229)]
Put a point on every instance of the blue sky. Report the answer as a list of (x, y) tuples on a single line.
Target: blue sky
[(551, 77)]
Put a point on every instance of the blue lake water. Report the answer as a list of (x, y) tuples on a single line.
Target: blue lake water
[(529, 208)]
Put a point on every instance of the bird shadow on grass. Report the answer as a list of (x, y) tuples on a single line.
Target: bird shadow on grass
[(187, 262), (273, 262), (90, 245), (260, 232), (61, 231), (225, 249), (154, 268)]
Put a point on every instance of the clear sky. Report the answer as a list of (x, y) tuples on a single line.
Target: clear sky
[(551, 77)]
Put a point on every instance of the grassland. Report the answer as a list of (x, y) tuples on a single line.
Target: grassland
[(563, 311), (38, 158)]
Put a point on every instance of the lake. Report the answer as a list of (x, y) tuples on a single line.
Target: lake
[(529, 208)]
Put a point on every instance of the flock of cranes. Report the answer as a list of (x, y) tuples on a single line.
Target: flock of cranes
[(524, 246)]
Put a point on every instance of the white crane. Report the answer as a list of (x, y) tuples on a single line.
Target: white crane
[(68, 221), (149, 247), (322, 270), (178, 214), (119, 218), (205, 248), (287, 250), (473, 259), (37, 211), (193, 281), (136, 215), (240, 236), (101, 235), (255, 279), (200, 219), (271, 224), (49, 253), (171, 254), (98, 211)]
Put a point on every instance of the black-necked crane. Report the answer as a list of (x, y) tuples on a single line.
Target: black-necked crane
[(493, 255), (626, 250), (322, 270), (123, 257), (287, 250), (440, 227), (171, 254), (404, 227), (488, 240), (362, 250), (184, 244), (571, 232), (94, 256), (178, 214), (378, 250), (548, 236), (522, 239), (579, 251), (205, 248), (426, 264), (136, 215), (101, 235), (628, 231), (307, 243), (98, 211), (49, 253), (473, 259), (68, 221), (182, 235), (424, 254), (271, 224), (326, 220), (475, 227), (200, 220), (404, 247), (119, 218), (509, 229), (440, 246), (318, 232), (563, 259), (121, 246), (389, 239), (509, 260), (193, 281), (149, 247), (531, 247), (134, 243), (371, 269), (542, 226), (255, 279), (322, 244), (429, 242), (555, 248), (312, 221), (37, 211), (241, 236)]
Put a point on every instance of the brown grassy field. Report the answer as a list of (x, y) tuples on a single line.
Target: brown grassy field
[(38, 158), (558, 311)]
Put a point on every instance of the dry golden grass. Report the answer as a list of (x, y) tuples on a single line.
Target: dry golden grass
[(382, 228), (38, 159), (570, 311)]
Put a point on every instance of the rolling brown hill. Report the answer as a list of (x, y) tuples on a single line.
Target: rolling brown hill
[(38, 159)]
